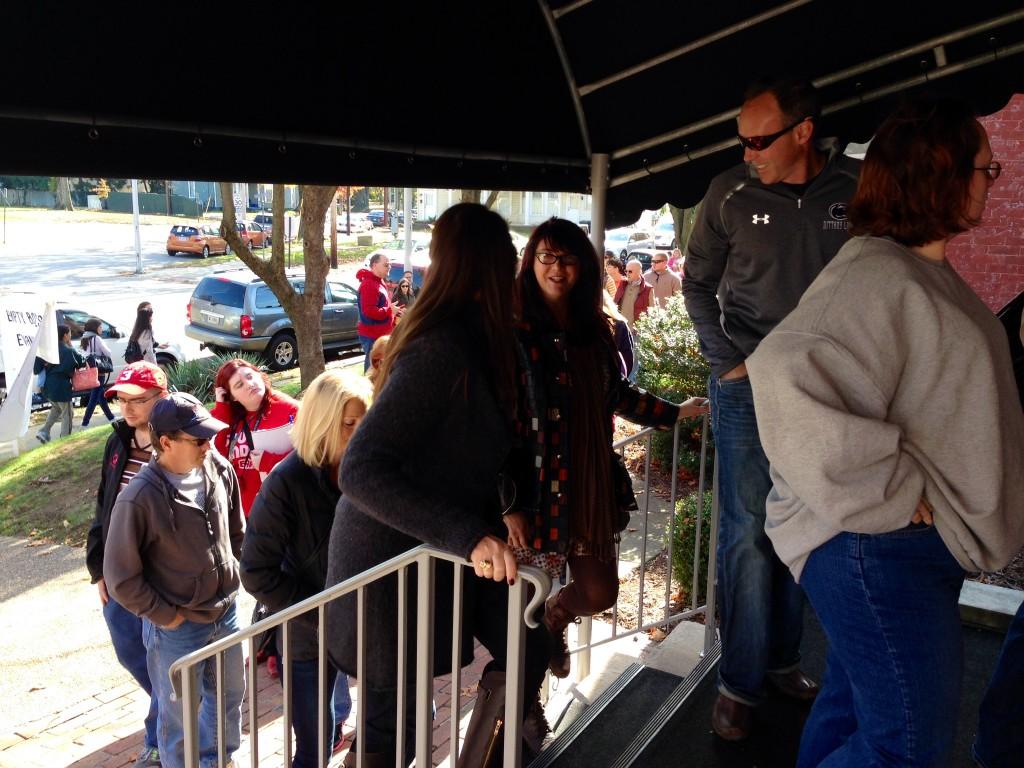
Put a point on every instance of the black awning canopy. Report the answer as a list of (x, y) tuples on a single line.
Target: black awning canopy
[(488, 94)]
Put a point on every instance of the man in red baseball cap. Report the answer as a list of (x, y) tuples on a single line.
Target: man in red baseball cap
[(128, 450)]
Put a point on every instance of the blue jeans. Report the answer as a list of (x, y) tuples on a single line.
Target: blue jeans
[(1000, 739), (304, 710), (367, 344), (760, 605), (164, 647), (126, 631), (891, 694), (96, 398), (342, 699)]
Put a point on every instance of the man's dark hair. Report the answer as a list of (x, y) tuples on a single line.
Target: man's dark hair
[(375, 258), (154, 438), (797, 98)]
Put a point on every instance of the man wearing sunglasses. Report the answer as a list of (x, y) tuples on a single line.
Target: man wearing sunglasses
[(172, 558), (137, 388), (766, 229)]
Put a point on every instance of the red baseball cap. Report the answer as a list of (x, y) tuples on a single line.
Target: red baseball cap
[(136, 378)]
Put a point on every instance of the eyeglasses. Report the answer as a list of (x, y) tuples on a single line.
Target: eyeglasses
[(761, 143), (659, 261), (550, 257), (992, 170), (198, 442), (135, 400)]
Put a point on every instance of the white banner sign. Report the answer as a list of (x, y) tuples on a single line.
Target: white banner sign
[(28, 328)]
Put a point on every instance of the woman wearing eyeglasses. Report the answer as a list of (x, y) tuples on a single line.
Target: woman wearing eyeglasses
[(573, 496), (260, 420), (888, 409), (138, 386)]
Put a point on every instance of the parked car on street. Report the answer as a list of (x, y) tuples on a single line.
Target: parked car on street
[(420, 263), (395, 251), (644, 255), (252, 234), (237, 311), (200, 239), (665, 234), (622, 241), (360, 222), (266, 221)]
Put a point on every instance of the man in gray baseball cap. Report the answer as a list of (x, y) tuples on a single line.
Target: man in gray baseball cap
[(172, 558)]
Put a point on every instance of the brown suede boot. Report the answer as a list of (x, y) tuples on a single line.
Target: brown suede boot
[(557, 619)]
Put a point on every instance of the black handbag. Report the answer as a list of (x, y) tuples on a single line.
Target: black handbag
[(101, 363)]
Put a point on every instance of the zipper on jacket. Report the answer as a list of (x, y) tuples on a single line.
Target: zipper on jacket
[(799, 202)]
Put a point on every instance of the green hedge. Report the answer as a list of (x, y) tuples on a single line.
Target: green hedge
[(684, 541)]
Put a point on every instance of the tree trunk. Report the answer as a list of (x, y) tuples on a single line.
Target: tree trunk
[(492, 198), (63, 195), (305, 309), (471, 196)]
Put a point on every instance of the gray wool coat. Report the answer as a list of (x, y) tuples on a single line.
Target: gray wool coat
[(421, 468)]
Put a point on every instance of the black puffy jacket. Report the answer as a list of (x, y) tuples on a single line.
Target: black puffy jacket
[(115, 456), (284, 553)]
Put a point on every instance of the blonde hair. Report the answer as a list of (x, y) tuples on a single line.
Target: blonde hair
[(317, 431), (373, 373)]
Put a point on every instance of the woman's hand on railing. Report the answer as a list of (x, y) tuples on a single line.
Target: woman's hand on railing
[(694, 407), (518, 529), (493, 559)]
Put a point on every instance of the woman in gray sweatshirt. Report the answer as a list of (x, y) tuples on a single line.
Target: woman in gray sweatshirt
[(887, 407)]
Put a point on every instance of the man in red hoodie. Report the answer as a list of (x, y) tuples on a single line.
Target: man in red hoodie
[(376, 315)]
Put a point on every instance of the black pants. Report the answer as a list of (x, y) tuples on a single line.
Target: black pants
[(487, 615)]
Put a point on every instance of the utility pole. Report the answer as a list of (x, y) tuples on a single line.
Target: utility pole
[(408, 229), (334, 231), (135, 225)]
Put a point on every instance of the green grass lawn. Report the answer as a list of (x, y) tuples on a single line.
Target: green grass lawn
[(49, 492), (346, 255)]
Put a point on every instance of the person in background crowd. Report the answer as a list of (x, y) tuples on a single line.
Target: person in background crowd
[(128, 450), (376, 312), (623, 338), (664, 282), (57, 387), (93, 346), (423, 468), (171, 557), (142, 335), (889, 483), (614, 270), (573, 496), (675, 262), (260, 419), (634, 296), (407, 275), (284, 553), (403, 296), (766, 229)]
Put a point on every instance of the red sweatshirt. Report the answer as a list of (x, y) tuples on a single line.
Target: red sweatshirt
[(270, 434), (376, 315)]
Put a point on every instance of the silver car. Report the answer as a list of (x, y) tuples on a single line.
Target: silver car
[(238, 311)]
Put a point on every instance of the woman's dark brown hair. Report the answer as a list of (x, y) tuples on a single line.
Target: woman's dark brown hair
[(472, 267), (586, 308), (915, 183)]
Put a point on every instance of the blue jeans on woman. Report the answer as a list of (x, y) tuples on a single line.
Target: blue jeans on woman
[(126, 631), (305, 707), (1000, 739), (762, 608), (96, 398), (889, 606), (164, 647)]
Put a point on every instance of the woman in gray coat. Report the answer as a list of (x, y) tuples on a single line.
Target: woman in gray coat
[(423, 467)]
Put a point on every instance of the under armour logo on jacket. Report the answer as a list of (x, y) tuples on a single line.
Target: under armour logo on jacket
[(760, 219)]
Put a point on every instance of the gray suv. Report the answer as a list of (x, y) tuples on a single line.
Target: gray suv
[(238, 311)]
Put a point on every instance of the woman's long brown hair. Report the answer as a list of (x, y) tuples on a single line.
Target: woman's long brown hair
[(472, 264)]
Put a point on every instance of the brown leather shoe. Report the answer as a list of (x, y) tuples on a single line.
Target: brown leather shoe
[(731, 718), (794, 684)]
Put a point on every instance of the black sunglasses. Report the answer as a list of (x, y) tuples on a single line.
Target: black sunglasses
[(761, 143)]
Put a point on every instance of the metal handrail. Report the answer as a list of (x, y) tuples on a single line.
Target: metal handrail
[(424, 558), (582, 648)]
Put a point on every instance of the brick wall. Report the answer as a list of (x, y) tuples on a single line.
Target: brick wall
[(991, 257)]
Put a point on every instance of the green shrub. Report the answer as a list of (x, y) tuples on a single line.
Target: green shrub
[(672, 366), (196, 376), (684, 540)]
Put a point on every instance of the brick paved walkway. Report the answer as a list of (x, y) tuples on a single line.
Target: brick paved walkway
[(105, 729)]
